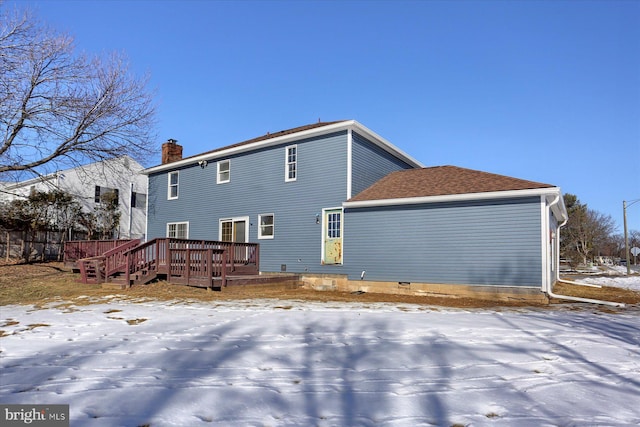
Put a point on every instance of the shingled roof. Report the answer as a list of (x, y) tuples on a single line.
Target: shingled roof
[(269, 135), (441, 181)]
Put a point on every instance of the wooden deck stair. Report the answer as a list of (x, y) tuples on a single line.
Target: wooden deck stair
[(199, 263)]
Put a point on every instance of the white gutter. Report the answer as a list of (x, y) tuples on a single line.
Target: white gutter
[(549, 290), (451, 198)]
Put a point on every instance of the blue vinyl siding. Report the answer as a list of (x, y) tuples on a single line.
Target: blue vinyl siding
[(258, 186), (473, 243), (370, 163)]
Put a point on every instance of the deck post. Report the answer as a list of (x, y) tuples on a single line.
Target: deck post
[(223, 272), (128, 269), (188, 264), (167, 256), (233, 256), (257, 257), (210, 268)]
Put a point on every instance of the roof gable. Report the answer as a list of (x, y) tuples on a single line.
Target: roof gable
[(441, 181), (268, 136), (288, 136)]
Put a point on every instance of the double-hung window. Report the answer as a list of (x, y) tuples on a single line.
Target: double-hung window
[(172, 189), (224, 171), (266, 228), (291, 163), (178, 230)]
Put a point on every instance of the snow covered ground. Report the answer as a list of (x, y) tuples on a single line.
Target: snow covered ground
[(616, 277), (288, 363)]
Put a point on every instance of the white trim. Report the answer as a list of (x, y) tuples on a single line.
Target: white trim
[(286, 163), (453, 198), (349, 163), (544, 243), (176, 224), (218, 163), (273, 226), (169, 196), (336, 127)]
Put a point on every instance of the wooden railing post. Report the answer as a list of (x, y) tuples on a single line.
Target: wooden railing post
[(223, 272), (128, 269), (210, 267), (233, 256), (167, 255), (188, 264)]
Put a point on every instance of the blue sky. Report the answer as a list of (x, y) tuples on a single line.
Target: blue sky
[(547, 91)]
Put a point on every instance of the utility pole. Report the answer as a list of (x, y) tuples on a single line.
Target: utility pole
[(626, 235)]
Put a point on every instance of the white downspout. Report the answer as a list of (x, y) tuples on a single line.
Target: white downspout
[(130, 208), (549, 290)]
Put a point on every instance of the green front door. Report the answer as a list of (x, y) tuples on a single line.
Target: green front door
[(332, 227)]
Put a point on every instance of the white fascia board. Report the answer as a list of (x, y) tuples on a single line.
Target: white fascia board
[(344, 125), (452, 198), (384, 144)]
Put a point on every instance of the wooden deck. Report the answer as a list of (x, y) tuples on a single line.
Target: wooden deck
[(200, 263)]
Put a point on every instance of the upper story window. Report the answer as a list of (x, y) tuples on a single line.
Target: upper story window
[(138, 200), (172, 189), (178, 230), (266, 228), (224, 171), (291, 163), (106, 195)]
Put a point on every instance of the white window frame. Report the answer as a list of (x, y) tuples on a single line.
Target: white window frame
[(177, 224), (244, 219), (219, 180), (260, 226), (170, 186), (290, 165)]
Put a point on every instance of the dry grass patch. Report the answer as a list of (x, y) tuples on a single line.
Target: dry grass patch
[(605, 293), (52, 283)]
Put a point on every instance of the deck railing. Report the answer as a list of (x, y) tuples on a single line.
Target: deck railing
[(237, 253), (181, 260), (200, 265), (78, 249), (191, 259), (115, 260)]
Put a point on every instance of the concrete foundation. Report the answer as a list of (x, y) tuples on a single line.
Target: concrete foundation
[(336, 282)]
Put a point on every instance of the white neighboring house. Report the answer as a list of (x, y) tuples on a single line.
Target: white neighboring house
[(86, 183)]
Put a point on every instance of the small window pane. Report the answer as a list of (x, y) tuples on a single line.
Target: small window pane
[(227, 231), (224, 171), (291, 166), (333, 226), (173, 185)]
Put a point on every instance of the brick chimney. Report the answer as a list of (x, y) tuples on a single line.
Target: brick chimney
[(171, 152)]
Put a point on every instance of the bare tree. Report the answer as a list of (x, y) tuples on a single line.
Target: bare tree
[(61, 109), (586, 233)]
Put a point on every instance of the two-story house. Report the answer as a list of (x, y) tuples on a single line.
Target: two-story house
[(347, 209), (87, 183)]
